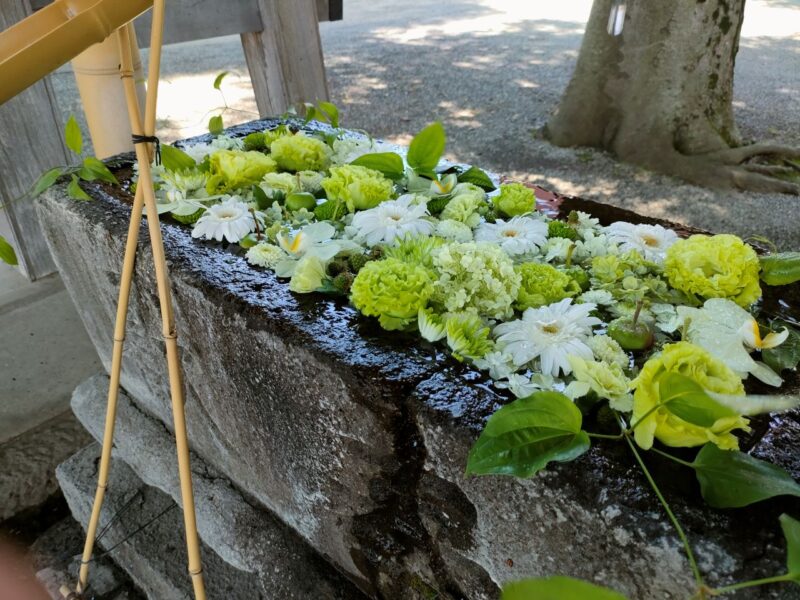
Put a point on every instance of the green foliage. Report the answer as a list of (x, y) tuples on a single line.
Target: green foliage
[(521, 438), (7, 254), (557, 588), (426, 149), (75, 191), (256, 141), (325, 112), (436, 205), (175, 159), (690, 402), (478, 177), (388, 163), (330, 210), (787, 355), (72, 135), (732, 479), (782, 268), (215, 125), (93, 169), (561, 230), (791, 531), (47, 180), (218, 79)]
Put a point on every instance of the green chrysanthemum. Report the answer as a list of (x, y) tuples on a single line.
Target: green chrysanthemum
[(719, 266), (392, 290), (543, 284), (468, 336), (562, 230), (359, 188), (476, 277), (301, 153), (415, 250), (515, 199)]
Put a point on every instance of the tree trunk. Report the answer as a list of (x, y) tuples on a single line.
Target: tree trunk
[(660, 94)]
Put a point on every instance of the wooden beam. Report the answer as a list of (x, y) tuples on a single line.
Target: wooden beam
[(285, 59), (32, 143)]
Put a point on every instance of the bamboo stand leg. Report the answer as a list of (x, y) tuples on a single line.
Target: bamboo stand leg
[(145, 196)]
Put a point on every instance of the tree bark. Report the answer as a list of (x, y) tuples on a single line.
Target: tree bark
[(660, 94)]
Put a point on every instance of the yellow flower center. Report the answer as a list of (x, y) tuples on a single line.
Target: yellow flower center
[(650, 240), (551, 327)]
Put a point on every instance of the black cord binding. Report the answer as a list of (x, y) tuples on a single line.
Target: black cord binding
[(149, 139)]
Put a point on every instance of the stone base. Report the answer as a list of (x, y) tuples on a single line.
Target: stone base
[(28, 463), (247, 552)]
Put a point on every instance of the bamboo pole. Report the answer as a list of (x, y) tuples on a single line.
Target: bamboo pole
[(145, 196)]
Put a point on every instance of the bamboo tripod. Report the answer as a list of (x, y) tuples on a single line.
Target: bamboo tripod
[(145, 197)]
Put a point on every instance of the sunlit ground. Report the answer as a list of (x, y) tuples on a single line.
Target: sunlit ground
[(492, 71)]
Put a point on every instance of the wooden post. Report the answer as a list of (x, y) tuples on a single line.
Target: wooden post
[(32, 143), (285, 59)]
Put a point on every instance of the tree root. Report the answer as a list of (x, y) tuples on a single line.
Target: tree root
[(737, 166)]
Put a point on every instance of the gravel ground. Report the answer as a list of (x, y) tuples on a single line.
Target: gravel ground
[(492, 71)]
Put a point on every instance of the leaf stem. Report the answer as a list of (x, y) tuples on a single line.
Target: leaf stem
[(673, 458), (605, 436), (687, 548), (752, 583)]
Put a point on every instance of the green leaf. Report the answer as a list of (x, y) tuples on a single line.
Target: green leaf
[(478, 177), (689, 401), (427, 148), (95, 169), (521, 438), (47, 180), (215, 126), (175, 159), (75, 191), (782, 268), (332, 111), (261, 198), (791, 531), (388, 163), (7, 254), (72, 135), (557, 588), (731, 479), (311, 112), (218, 79), (787, 355)]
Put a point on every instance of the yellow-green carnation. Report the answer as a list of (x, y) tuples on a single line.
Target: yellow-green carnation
[(709, 373), (301, 153), (543, 284), (392, 290), (358, 187), (515, 199), (719, 266), (234, 169)]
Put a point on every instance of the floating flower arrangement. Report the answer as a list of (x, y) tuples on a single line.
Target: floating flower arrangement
[(567, 315)]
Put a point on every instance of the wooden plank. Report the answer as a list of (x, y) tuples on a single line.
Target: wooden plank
[(285, 60), (31, 143), (188, 20)]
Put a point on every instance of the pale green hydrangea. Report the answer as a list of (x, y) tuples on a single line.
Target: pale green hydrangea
[(392, 290), (476, 277), (301, 153), (359, 188), (454, 231)]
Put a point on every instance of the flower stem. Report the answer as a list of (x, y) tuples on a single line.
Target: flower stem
[(673, 458), (752, 583), (605, 436), (687, 548)]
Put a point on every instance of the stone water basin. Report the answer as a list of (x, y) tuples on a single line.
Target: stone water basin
[(355, 439)]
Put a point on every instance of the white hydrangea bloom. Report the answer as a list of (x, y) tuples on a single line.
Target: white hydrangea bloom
[(455, 231)]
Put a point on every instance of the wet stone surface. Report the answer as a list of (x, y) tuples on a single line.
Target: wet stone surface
[(357, 438)]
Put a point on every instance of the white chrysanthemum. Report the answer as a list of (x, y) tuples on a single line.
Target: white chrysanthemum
[(652, 241), (265, 255), (180, 185), (392, 220), (523, 386), (222, 142), (347, 150), (230, 220), (586, 223), (431, 326), (455, 231), (550, 333), (607, 349), (595, 244), (557, 249), (519, 235)]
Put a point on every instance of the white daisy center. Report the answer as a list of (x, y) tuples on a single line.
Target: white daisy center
[(510, 233), (551, 327), (650, 240)]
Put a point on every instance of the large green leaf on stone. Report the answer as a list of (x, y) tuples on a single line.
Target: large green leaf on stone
[(426, 149), (175, 159), (781, 268), (521, 438), (557, 588), (94, 168), (47, 180), (731, 479), (791, 531), (787, 355), (7, 254)]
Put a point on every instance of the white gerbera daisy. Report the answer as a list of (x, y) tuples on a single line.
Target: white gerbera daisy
[(518, 236), (652, 241), (392, 220), (550, 333), (230, 220)]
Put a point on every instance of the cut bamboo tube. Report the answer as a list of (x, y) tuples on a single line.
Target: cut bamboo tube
[(145, 196)]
